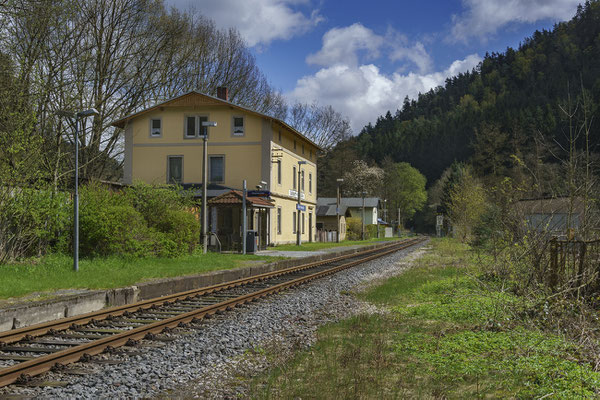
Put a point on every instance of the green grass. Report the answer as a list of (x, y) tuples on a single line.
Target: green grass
[(447, 335), (327, 245), (55, 272)]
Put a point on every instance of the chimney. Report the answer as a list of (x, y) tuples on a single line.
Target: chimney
[(223, 93)]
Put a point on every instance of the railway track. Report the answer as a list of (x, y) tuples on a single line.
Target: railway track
[(30, 351)]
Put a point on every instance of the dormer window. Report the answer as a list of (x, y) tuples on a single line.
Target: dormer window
[(155, 127), (238, 126)]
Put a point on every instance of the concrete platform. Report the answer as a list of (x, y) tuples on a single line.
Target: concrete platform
[(17, 313)]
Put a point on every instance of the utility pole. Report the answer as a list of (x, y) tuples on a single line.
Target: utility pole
[(244, 223), (362, 237), (337, 209), (74, 116), (205, 124)]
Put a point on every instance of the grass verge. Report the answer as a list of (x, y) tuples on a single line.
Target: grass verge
[(55, 272), (327, 245), (447, 335)]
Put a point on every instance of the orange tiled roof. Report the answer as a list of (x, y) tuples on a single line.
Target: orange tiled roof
[(235, 197)]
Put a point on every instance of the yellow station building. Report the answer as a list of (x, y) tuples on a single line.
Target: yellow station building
[(163, 144)]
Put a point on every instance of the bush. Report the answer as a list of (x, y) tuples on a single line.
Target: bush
[(140, 222), (155, 202), (31, 221), (110, 225), (182, 228), (353, 228)]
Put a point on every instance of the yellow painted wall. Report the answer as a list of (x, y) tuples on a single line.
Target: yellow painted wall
[(243, 158), (242, 154)]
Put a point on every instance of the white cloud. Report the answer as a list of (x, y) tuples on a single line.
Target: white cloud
[(363, 92), (340, 46), (259, 21), (485, 17), (417, 54)]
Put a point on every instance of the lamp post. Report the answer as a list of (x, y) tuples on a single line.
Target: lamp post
[(337, 207), (298, 207), (205, 124), (74, 116)]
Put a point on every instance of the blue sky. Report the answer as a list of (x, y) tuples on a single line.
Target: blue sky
[(364, 57)]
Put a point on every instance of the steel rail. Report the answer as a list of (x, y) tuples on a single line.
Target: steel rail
[(15, 335), (44, 363)]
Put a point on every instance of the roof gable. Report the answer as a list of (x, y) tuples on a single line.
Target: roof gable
[(198, 99)]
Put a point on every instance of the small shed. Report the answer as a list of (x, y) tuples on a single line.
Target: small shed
[(327, 218), (553, 215), (225, 219)]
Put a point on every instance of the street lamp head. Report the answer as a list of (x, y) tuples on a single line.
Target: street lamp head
[(340, 179), (209, 123), (88, 113)]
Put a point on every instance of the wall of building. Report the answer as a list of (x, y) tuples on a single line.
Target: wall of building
[(370, 214), (283, 190), (250, 157), (149, 154)]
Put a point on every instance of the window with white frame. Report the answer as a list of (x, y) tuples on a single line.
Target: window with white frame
[(309, 183), (294, 178), (175, 169), (216, 169), (193, 126), (279, 220), (238, 126), (279, 172), (302, 182), (302, 215), (294, 222), (155, 127)]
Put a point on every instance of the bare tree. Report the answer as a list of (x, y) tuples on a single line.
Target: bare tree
[(321, 124)]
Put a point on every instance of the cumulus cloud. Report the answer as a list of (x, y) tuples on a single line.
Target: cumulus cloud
[(363, 92), (340, 46), (485, 17), (259, 21)]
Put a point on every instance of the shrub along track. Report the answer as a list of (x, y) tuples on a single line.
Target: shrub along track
[(30, 351)]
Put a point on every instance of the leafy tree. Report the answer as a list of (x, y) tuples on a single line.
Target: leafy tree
[(405, 189), (467, 204)]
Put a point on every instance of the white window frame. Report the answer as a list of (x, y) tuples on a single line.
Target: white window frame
[(310, 182), (279, 172), (180, 156), (279, 220), (210, 180), (294, 222), (198, 128), (233, 133), (295, 177), (151, 134)]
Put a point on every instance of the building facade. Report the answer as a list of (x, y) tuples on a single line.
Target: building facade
[(164, 145)]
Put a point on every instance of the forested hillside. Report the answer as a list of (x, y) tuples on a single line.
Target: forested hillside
[(501, 108)]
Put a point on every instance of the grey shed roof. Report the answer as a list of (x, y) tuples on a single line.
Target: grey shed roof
[(328, 210), (352, 202)]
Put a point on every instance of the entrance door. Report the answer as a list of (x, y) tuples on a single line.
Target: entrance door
[(310, 235)]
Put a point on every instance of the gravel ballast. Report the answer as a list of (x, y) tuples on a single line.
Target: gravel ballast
[(206, 361)]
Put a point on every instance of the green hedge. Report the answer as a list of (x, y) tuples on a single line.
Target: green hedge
[(141, 221)]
